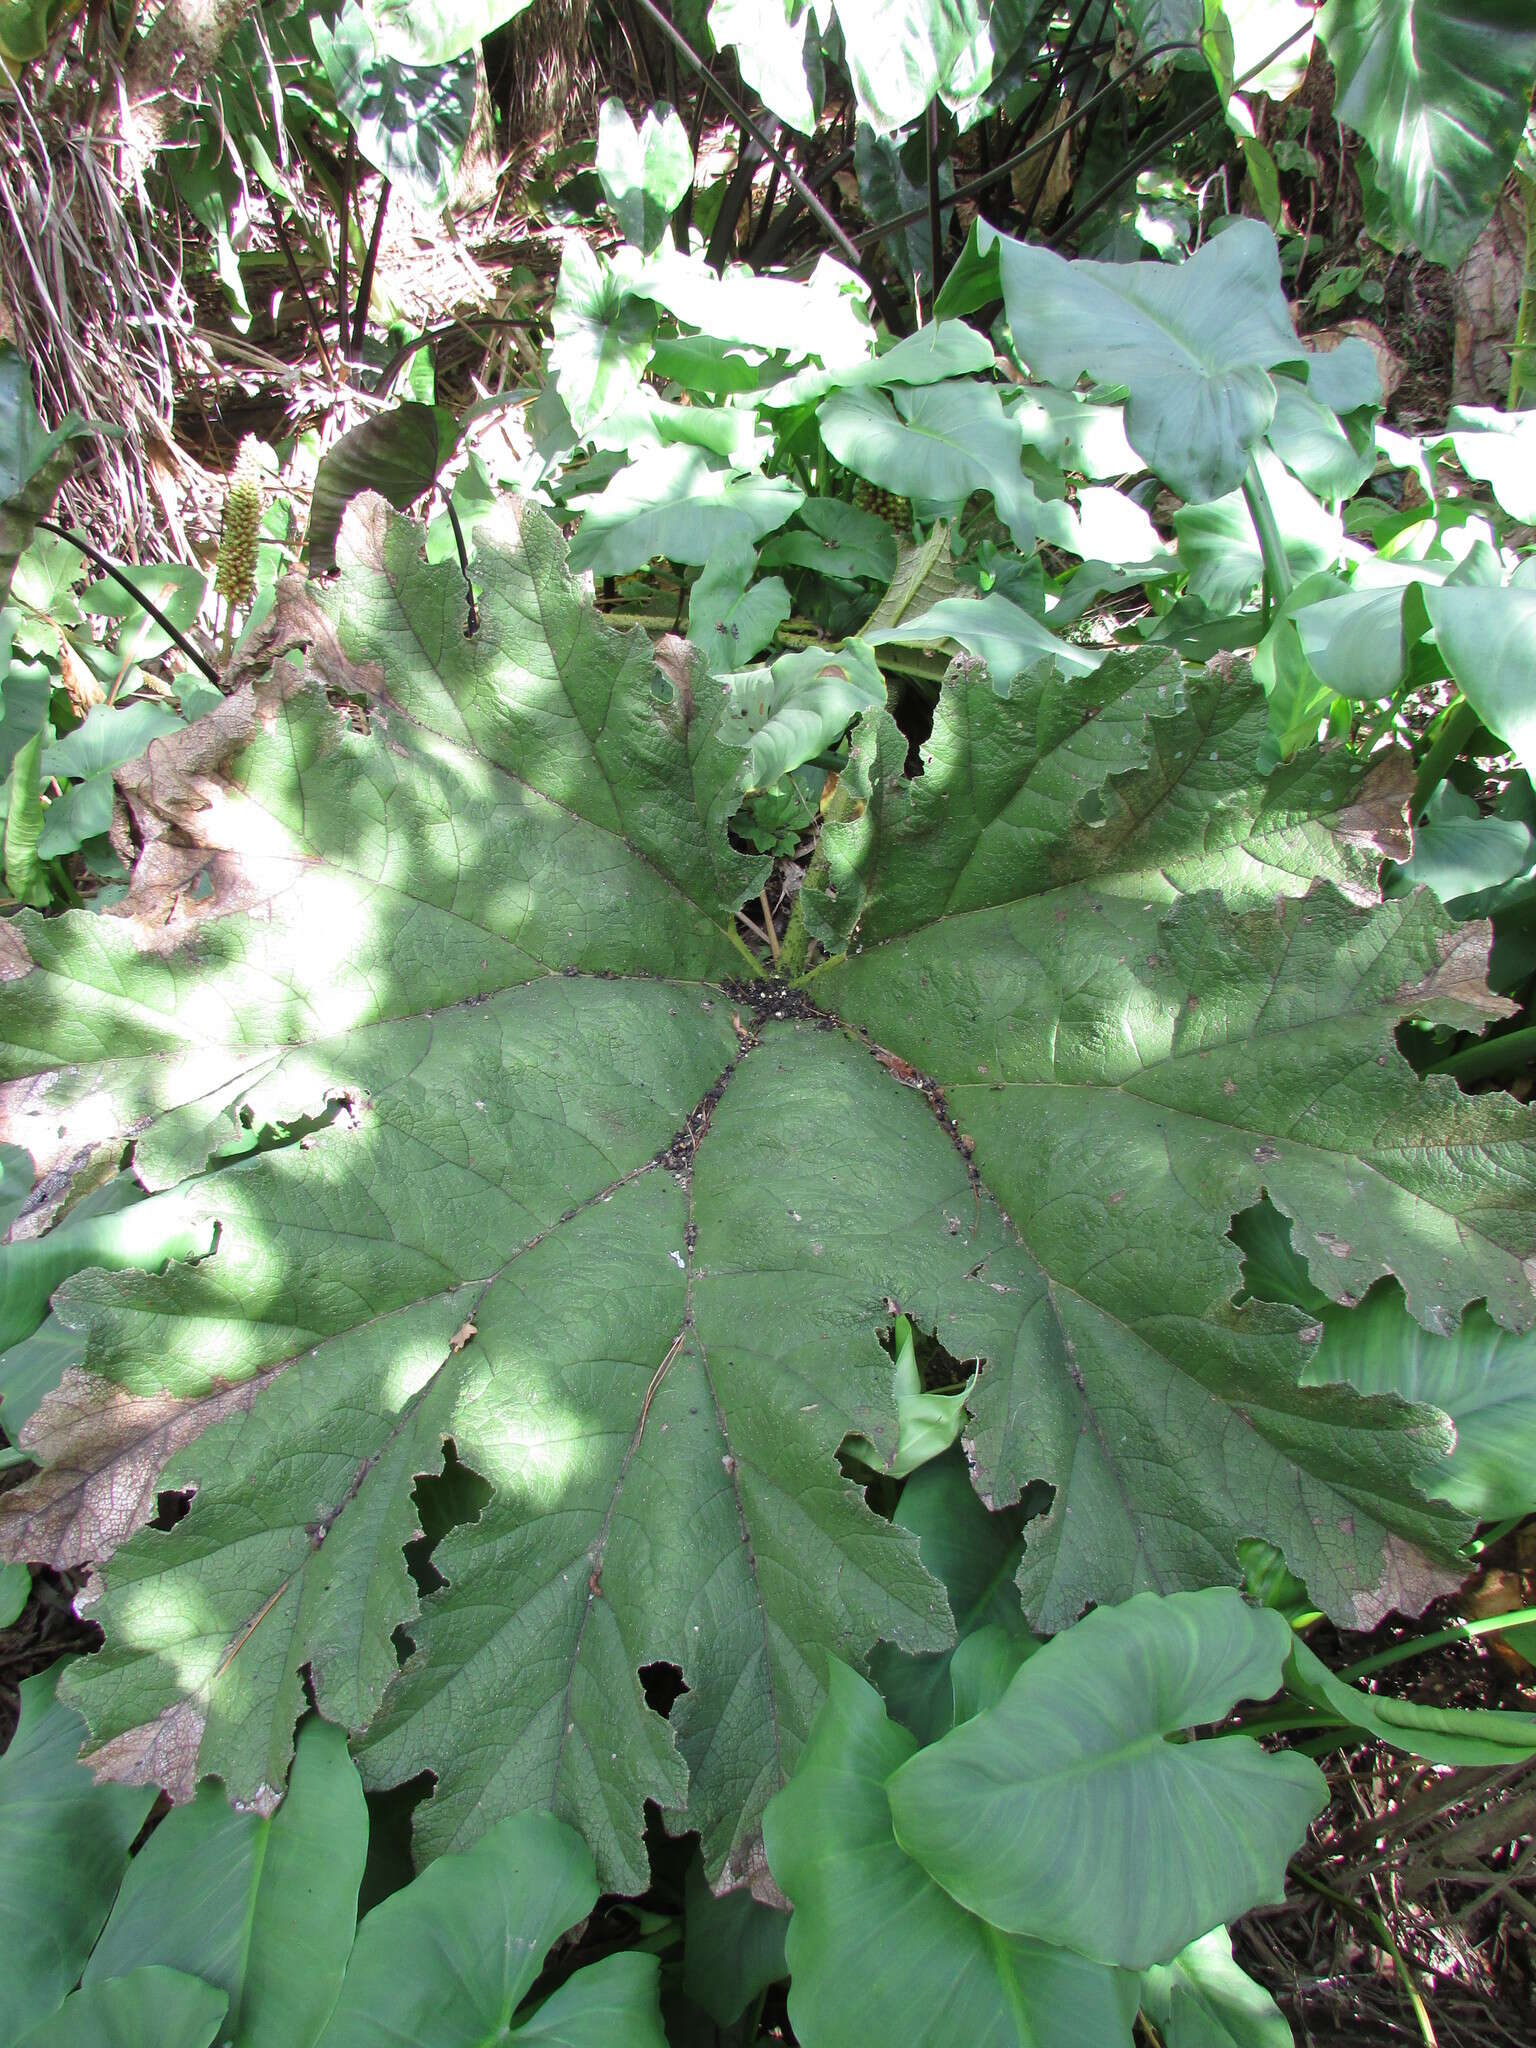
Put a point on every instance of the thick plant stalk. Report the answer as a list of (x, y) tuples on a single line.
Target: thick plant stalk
[(1277, 569), (1522, 360)]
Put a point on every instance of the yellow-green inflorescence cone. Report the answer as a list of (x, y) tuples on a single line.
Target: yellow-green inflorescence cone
[(885, 505), (241, 529)]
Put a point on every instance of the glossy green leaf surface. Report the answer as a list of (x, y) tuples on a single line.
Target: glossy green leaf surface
[(446, 1962), (645, 171), (1193, 344), (928, 1972), (151, 2008), (64, 1845), (1440, 90), (1203, 2000), (263, 1907), (1067, 1813)]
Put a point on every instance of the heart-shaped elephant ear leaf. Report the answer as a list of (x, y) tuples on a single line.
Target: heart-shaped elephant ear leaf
[(1440, 94), (149, 2008), (1192, 345), (1074, 1811), (1203, 2000), (927, 1969), (644, 171), (452, 1957), (64, 1843)]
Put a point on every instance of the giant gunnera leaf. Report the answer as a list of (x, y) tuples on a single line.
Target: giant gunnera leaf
[(427, 1008)]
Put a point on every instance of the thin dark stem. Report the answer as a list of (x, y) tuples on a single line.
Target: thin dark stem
[(365, 282), (682, 220), (999, 171), (1184, 124), (298, 277), (791, 213), (344, 214), (1075, 113), (407, 349), (473, 625), (768, 199), (723, 235), (637, 46), (935, 230), (890, 311), (1035, 112), (110, 568)]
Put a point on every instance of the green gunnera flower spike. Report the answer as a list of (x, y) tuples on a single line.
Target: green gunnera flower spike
[(241, 528)]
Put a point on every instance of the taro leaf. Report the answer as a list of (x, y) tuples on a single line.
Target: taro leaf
[(682, 504), (941, 350), (975, 1555), (19, 855), (411, 121), (842, 542), (34, 463), (109, 735), (576, 1198), (1074, 433), (1203, 2000), (436, 31), (927, 1973), (900, 54), (1499, 449), (1314, 444), (731, 620), (602, 336), (15, 1592), (733, 1948), (1483, 1377), (1440, 90), (64, 1845), (151, 2008), (446, 1962), (645, 171), (780, 58), (1049, 1814), (1455, 1736), (1488, 638), (397, 454), (824, 317), (1356, 642), (789, 712), (1193, 343), (935, 444), (1460, 850), (263, 1907), (994, 629)]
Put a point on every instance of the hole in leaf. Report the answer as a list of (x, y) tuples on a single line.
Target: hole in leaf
[(444, 1500), (170, 1507), (391, 1816), (663, 1687)]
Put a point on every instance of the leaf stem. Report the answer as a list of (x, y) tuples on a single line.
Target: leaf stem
[(1462, 1631), (110, 568), (890, 311), (768, 931), (1522, 372), (1485, 1057), (1277, 569), (1383, 1933), (1453, 733)]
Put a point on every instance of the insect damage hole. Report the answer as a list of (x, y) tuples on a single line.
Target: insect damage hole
[(663, 1686)]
